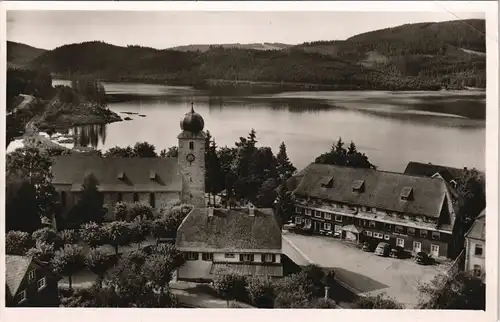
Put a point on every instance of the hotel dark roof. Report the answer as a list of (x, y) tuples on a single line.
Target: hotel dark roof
[(117, 174), (229, 230), (478, 229), (383, 190)]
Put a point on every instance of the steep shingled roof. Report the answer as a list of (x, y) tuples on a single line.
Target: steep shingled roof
[(429, 169), (73, 169), (229, 230), (478, 229), (15, 270), (381, 189)]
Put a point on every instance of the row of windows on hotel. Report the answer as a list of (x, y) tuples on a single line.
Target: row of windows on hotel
[(435, 235), (119, 198), (40, 285), (327, 216), (209, 257)]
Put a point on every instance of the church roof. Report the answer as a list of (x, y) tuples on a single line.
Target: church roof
[(229, 230), (118, 174)]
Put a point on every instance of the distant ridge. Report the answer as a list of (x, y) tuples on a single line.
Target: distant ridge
[(422, 56), (255, 46), (18, 55)]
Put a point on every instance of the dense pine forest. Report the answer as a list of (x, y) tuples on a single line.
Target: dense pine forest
[(424, 56)]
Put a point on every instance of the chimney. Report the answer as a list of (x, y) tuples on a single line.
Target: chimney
[(251, 210), (210, 212)]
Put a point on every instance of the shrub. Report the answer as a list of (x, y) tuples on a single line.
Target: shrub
[(323, 303), (261, 292), (231, 286)]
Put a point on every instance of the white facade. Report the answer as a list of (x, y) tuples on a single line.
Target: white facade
[(474, 260), (200, 266)]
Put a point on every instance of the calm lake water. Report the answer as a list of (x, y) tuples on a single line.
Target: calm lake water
[(391, 128)]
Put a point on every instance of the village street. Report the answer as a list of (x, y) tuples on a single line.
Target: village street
[(362, 272)]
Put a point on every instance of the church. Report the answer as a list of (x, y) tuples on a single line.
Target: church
[(155, 181)]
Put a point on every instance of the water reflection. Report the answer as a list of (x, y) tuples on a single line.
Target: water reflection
[(92, 135)]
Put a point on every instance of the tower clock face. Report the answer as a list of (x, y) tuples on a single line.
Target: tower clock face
[(190, 157)]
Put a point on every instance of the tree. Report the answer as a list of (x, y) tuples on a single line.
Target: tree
[(315, 277), (214, 176), (68, 262), (69, 236), (90, 206), (49, 236), (230, 286), (42, 251), (285, 168), (21, 198), (471, 187), (140, 210), (130, 285), (120, 209), (261, 292), (380, 301), (158, 269), (118, 233), (173, 152), (93, 235), (267, 193), (140, 229), (462, 291), (17, 242), (285, 205), (160, 229), (117, 152), (30, 166), (98, 262), (173, 216), (339, 155), (144, 150)]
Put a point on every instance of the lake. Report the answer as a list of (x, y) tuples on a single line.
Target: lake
[(391, 128)]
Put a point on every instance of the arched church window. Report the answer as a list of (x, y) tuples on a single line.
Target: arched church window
[(191, 145)]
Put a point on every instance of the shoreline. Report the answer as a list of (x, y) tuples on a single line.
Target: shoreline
[(246, 87)]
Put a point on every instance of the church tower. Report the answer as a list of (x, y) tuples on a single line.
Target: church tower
[(191, 159)]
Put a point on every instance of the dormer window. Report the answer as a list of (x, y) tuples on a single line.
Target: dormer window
[(358, 186), (406, 193), (326, 182), (152, 175), (121, 175), (453, 183)]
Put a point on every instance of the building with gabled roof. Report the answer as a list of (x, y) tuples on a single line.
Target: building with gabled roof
[(414, 212), (30, 283), (246, 241), (475, 243), (154, 181)]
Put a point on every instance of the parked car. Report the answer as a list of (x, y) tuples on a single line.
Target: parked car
[(289, 226), (383, 249), (367, 247), (423, 258), (337, 234), (397, 252)]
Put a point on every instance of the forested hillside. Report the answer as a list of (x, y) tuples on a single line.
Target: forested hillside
[(19, 55), (449, 53), (410, 57)]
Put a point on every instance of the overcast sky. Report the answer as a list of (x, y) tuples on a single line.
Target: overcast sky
[(50, 29)]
